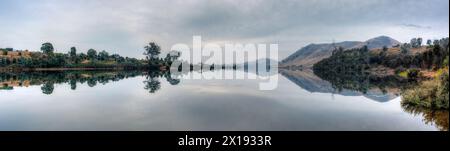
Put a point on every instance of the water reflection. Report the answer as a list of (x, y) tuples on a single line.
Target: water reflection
[(215, 105), (48, 79), (380, 89), (439, 118), (376, 89)]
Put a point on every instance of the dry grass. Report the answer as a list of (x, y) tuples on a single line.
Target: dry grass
[(396, 51)]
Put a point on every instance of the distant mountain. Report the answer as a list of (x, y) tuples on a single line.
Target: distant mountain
[(313, 53), (379, 42)]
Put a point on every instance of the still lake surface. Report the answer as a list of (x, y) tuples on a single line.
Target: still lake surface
[(142, 101)]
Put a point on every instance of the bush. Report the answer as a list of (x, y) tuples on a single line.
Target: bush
[(413, 74), (432, 94), (399, 70)]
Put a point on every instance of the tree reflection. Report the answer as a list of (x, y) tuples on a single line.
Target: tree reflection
[(92, 82), (362, 82), (48, 88), (152, 85), (73, 84), (440, 118), (47, 80)]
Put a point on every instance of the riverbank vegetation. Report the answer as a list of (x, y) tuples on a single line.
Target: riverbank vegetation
[(430, 93), (424, 66), (47, 58)]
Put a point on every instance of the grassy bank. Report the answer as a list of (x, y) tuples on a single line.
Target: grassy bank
[(432, 94)]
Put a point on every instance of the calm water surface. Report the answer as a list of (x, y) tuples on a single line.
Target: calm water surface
[(301, 102)]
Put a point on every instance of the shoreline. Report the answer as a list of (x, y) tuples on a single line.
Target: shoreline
[(162, 68), (60, 69)]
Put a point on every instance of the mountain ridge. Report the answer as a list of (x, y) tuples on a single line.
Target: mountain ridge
[(313, 53)]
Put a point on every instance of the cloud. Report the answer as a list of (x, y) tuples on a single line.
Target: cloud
[(416, 26), (124, 26)]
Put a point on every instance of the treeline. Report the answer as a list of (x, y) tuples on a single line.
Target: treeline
[(352, 69), (353, 61), (350, 61), (47, 58), (433, 58)]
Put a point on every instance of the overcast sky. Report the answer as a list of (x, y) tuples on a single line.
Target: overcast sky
[(125, 26)]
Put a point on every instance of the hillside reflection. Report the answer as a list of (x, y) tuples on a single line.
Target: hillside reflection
[(380, 89), (376, 89)]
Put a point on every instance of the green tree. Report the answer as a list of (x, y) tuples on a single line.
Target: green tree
[(48, 88), (152, 85), (419, 42), (73, 84), (92, 82), (429, 42), (92, 54), (73, 55), (385, 48), (152, 50), (404, 49), (103, 55), (47, 48), (73, 52)]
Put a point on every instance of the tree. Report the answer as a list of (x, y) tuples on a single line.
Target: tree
[(92, 82), (152, 85), (118, 58), (57, 60), (92, 54), (82, 56), (383, 54), (416, 42), (385, 48), (404, 49), (429, 42), (47, 48), (48, 88), (73, 52), (73, 84), (9, 49), (152, 50), (103, 55), (419, 42)]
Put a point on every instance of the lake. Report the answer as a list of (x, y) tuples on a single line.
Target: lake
[(153, 101)]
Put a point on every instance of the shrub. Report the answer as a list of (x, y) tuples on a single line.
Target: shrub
[(413, 74), (429, 94)]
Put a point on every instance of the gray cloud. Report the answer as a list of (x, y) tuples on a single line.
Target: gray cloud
[(416, 26), (125, 26)]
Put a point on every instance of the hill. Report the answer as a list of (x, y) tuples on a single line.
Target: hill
[(313, 53)]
